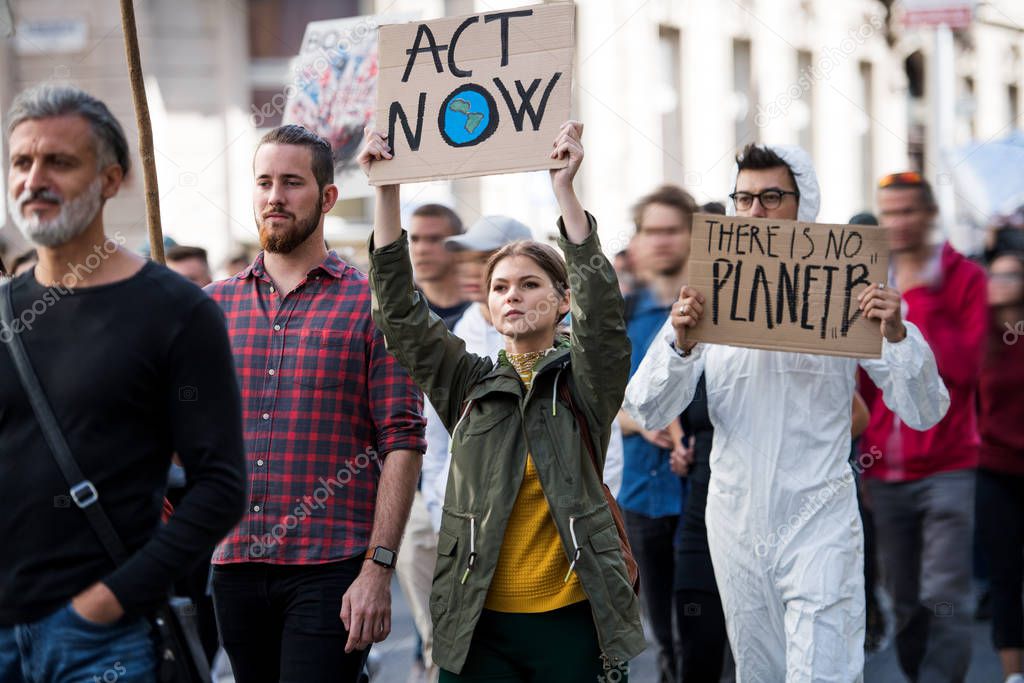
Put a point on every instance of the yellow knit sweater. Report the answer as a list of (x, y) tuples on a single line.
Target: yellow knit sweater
[(532, 566)]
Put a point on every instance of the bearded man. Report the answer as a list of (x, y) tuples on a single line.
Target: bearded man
[(333, 434), (135, 365)]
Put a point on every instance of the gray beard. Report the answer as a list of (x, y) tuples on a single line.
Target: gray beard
[(75, 216)]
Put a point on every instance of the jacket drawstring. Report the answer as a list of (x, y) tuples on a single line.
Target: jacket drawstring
[(465, 412), (472, 549), (576, 549), (554, 393)]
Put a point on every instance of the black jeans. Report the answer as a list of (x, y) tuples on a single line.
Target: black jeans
[(1001, 529), (702, 636), (282, 622), (651, 539)]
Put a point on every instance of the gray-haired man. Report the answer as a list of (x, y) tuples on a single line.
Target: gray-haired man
[(136, 365)]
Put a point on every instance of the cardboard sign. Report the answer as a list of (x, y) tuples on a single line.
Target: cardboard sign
[(787, 285), (474, 95)]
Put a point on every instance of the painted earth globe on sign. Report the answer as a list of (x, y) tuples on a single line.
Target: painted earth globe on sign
[(468, 116)]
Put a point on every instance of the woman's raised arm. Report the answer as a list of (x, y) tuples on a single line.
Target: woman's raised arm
[(568, 144), (436, 359), (387, 214)]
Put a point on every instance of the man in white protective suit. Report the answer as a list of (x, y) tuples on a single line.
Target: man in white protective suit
[(783, 528)]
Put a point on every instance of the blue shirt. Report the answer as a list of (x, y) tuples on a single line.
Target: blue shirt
[(649, 487)]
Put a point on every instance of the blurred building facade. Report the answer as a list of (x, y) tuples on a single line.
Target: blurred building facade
[(669, 90)]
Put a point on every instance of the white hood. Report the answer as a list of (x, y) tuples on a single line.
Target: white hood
[(806, 181)]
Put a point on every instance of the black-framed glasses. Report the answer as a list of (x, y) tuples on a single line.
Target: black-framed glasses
[(770, 198)]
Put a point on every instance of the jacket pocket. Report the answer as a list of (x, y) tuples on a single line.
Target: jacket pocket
[(605, 540), (484, 417), (611, 564), (444, 574)]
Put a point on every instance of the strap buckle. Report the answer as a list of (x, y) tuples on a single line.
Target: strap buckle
[(84, 494)]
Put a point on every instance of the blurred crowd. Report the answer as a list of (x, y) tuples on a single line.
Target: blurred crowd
[(942, 508)]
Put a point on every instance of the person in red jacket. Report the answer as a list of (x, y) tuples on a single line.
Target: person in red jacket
[(922, 486), (1001, 461)]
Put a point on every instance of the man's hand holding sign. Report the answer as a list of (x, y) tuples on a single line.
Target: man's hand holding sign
[(882, 303)]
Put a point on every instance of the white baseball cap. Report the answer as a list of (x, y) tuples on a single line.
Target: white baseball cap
[(489, 234)]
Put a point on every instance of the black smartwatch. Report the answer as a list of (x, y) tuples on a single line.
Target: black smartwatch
[(385, 557)]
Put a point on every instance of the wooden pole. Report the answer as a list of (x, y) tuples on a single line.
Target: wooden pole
[(131, 49)]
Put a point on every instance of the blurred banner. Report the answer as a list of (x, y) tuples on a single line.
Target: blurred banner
[(335, 86)]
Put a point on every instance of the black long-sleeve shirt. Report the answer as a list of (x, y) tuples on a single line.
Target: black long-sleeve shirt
[(135, 371)]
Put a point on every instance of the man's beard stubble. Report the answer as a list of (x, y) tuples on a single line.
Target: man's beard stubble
[(75, 215), (289, 241)]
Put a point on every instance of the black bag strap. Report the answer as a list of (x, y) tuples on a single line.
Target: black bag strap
[(81, 490)]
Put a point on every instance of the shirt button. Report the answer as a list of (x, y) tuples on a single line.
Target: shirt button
[(272, 290), (255, 508), (266, 416), (654, 473), (277, 328), (259, 463), (271, 371)]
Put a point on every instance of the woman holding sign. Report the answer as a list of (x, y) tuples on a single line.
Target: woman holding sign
[(783, 526), (531, 583)]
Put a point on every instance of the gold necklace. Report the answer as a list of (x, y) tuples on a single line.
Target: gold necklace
[(524, 363)]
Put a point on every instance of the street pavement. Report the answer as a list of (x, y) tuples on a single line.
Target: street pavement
[(395, 655), (392, 661)]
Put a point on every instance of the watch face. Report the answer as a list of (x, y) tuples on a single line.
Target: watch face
[(382, 555)]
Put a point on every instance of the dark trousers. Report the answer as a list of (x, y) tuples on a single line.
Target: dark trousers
[(282, 622), (559, 646), (702, 636), (924, 531), (1001, 531), (867, 520), (195, 586), (652, 541)]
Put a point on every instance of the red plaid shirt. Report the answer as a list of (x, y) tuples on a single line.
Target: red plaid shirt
[(322, 404)]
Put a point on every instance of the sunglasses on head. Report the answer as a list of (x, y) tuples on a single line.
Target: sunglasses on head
[(904, 178)]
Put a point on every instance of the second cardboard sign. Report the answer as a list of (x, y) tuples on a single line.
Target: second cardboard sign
[(787, 285)]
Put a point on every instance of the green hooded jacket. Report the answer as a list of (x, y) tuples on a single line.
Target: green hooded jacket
[(494, 422)]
